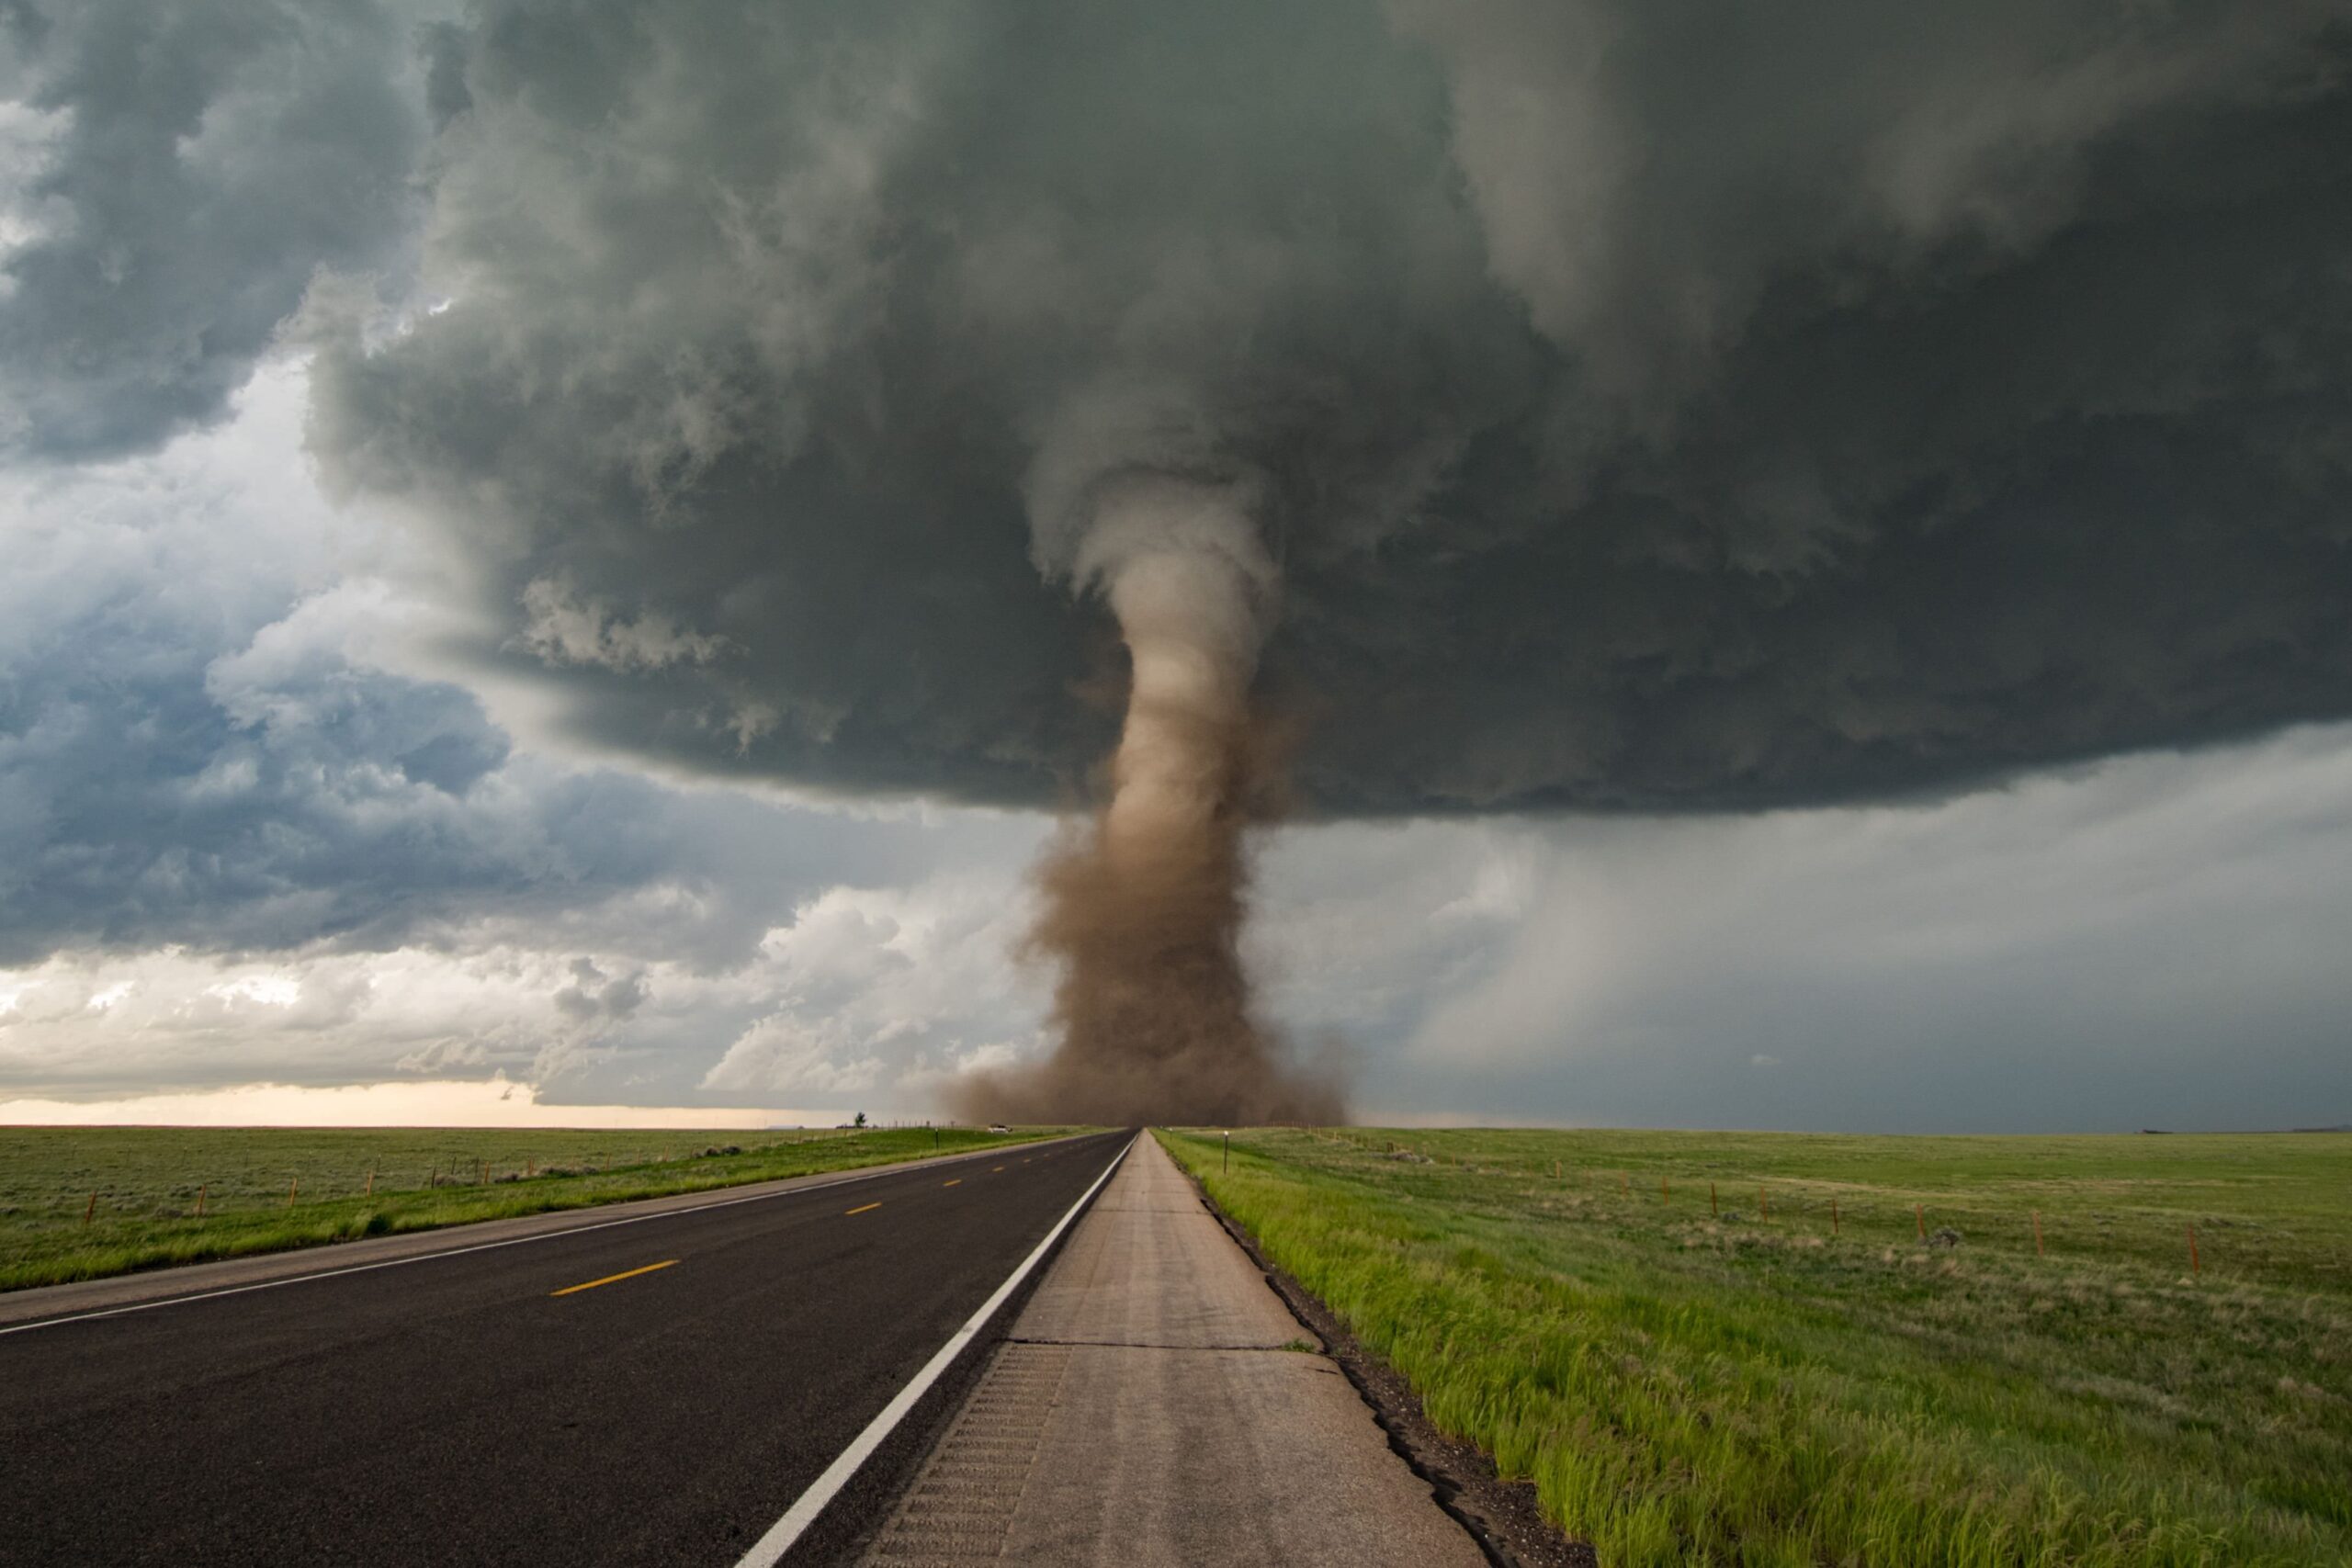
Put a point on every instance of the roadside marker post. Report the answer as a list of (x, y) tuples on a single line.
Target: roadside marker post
[(1229, 1153)]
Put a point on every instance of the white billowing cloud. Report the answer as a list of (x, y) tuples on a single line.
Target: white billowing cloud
[(881, 992), (171, 1017), (876, 987), (780, 1056), (563, 626)]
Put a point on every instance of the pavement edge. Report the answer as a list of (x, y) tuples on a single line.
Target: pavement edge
[(855, 1514)]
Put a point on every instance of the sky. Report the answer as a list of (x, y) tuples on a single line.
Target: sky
[(550, 551)]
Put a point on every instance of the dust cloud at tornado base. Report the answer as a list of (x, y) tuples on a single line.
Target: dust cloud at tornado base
[(1143, 904)]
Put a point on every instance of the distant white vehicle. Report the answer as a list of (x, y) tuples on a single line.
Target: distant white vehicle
[(999, 1127)]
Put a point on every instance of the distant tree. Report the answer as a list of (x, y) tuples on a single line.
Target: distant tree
[(861, 1119)]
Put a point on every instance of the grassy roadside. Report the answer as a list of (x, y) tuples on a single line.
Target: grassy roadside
[(1689, 1386), (268, 1189)]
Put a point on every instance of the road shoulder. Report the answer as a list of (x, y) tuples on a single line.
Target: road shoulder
[(1156, 1403)]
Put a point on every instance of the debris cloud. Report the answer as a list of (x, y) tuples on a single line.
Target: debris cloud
[(1144, 906)]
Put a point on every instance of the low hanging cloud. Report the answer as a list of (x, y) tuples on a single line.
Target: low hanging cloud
[(1647, 407)]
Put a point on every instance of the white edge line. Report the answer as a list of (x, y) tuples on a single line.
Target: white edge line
[(803, 1513), (900, 1168)]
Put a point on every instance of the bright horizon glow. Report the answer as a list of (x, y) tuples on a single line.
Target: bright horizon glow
[(432, 1102)]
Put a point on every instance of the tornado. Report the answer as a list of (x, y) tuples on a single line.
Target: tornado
[(1143, 905)]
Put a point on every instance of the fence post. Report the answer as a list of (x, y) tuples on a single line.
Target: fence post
[(1833, 1216), (1763, 1202), (2037, 1233), (200, 1191), (2192, 1250), (292, 1187), (1665, 1191), (1713, 1207), (1229, 1153), (90, 1209), (1920, 1210), (371, 1182)]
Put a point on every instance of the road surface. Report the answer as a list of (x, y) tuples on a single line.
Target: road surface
[(652, 1392)]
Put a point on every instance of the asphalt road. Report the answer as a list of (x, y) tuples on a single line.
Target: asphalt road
[(655, 1393)]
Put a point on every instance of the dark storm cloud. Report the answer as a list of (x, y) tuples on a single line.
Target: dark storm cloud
[(145, 800), (1660, 406), (202, 158), (190, 755)]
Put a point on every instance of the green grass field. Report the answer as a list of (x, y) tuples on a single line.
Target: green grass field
[(264, 1189), (1689, 1386)]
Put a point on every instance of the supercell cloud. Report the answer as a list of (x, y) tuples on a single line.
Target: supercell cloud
[(1654, 406), (1484, 407)]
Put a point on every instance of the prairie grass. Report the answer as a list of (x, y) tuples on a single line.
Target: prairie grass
[(1694, 1385), (270, 1188)]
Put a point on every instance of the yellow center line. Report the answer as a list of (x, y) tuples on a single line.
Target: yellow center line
[(957, 1182), (608, 1279), (862, 1209), (993, 1172)]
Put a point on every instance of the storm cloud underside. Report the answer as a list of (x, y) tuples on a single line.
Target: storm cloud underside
[(1638, 421)]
